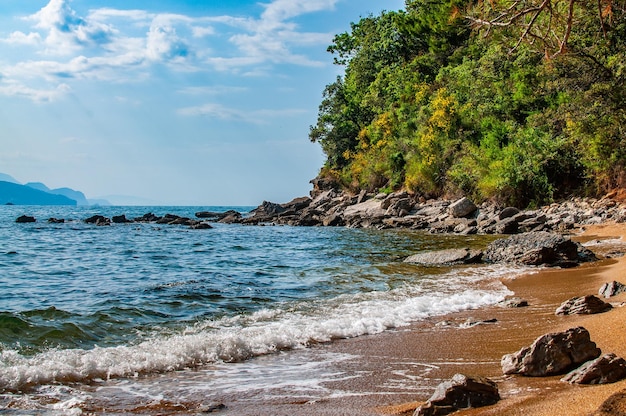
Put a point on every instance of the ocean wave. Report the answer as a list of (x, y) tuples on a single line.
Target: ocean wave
[(240, 337)]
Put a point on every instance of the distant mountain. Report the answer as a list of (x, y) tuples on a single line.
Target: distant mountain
[(77, 196), (16, 194), (7, 178)]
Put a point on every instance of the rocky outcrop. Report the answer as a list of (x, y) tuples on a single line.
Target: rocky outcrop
[(583, 305), (606, 369), (461, 392), (551, 354), (537, 248), (25, 219), (98, 220), (446, 257), (328, 206), (611, 289)]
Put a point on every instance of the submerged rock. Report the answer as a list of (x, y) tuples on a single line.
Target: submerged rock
[(461, 392), (551, 354), (24, 219)]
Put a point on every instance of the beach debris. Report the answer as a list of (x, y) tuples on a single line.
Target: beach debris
[(446, 257), (552, 354), (537, 248), (606, 369), (584, 305), (23, 219), (462, 208), (611, 289), (460, 392), (515, 302)]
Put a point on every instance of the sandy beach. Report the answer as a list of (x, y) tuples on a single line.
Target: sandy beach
[(546, 290), (430, 353)]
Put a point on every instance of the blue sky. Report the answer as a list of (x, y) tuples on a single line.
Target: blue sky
[(176, 102)]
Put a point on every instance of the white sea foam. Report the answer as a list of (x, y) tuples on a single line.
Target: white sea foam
[(241, 337)]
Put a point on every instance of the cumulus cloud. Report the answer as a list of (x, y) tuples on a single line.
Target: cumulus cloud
[(122, 45)]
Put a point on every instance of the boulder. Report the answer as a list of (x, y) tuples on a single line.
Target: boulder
[(507, 226), (606, 369), (149, 217), (120, 219), (584, 305), (551, 354), (611, 289), (462, 208), (98, 220), (24, 219), (446, 257), (537, 248), (461, 392), (53, 220), (508, 212)]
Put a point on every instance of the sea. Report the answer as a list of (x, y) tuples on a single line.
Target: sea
[(129, 318)]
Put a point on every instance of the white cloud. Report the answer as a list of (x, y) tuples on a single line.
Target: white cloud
[(14, 89), (20, 38), (124, 45), (218, 111)]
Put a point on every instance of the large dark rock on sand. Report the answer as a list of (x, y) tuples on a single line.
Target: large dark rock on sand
[(461, 392), (551, 354), (606, 369), (611, 289), (584, 305), (446, 257), (24, 219), (537, 248)]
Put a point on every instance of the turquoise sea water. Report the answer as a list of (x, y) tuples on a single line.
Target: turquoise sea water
[(81, 303)]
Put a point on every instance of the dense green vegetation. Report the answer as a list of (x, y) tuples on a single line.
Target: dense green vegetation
[(521, 102)]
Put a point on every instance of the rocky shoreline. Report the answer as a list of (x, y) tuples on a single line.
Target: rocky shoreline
[(402, 210)]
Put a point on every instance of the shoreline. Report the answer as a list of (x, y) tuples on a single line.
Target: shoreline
[(425, 353), (545, 290)]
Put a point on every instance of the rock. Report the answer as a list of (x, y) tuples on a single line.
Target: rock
[(229, 217), (513, 303), (267, 209), (446, 257), (201, 226), (603, 370), (537, 248), (212, 407), (508, 213), (615, 405), (462, 208), (149, 217), (584, 305), (24, 219), (120, 219), (551, 354), (461, 392), (471, 322), (98, 220), (372, 208), (611, 289), (53, 220), (507, 226)]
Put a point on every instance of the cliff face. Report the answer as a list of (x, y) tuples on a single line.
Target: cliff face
[(12, 193)]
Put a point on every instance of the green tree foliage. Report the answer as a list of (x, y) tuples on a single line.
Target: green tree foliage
[(469, 97)]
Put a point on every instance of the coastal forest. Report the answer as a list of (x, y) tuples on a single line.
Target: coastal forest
[(519, 102)]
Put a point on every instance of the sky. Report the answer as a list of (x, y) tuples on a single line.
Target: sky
[(173, 102)]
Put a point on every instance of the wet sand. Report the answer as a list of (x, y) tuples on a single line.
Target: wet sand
[(398, 370)]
